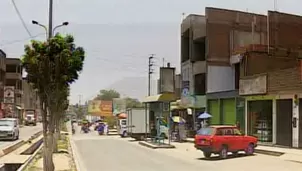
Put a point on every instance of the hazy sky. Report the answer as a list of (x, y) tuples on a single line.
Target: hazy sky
[(118, 35)]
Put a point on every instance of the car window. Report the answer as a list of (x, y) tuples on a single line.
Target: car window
[(236, 132), (219, 132), (228, 131), (205, 131), (6, 123)]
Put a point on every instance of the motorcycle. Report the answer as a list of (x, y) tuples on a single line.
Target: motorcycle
[(85, 129), (73, 131)]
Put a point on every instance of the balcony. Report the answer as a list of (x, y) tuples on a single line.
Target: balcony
[(13, 76)]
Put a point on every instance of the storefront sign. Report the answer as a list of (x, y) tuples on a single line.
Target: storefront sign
[(9, 94), (253, 86)]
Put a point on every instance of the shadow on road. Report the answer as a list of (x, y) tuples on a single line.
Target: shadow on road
[(215, 158)]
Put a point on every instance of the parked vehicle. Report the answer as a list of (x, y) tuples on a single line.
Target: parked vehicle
[(30, 117), (122, 127), (136, 120), (9, 128), (223, 139)]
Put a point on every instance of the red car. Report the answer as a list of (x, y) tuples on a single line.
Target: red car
[(222, 139)]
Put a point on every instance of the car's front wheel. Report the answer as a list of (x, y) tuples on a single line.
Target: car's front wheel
[(207, 155)]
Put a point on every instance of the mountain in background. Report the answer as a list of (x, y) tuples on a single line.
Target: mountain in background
[(134, 87)]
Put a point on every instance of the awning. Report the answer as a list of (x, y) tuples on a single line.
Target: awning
[(18, 107), (168, 97)]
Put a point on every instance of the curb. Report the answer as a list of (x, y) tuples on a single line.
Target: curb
[(30, 159), (268, 152), (75, 155), (155, 147)]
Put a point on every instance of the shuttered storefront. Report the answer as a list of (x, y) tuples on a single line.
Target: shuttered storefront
[(213, 108), (229, 111)]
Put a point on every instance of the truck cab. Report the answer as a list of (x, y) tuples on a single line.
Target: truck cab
[(30, 117), (122, 127)]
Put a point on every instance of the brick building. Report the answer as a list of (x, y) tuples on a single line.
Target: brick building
[(227, 30), (270, 81)]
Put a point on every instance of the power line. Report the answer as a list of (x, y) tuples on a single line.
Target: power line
[(21, 18), (21, 40)]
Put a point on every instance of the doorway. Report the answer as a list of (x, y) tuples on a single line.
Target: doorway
[(300, 123), (284, 111)]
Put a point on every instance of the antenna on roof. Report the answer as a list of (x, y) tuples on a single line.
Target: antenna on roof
[(275, 5)]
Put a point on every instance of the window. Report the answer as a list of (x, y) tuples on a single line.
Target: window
[(236, 132), (228, 132), (219, 132), (205, 131)]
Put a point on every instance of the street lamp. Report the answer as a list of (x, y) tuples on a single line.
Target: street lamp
[(41, 25), (63, 24)]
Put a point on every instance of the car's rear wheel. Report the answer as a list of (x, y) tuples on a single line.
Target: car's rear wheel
[(250, 149), (207, 154), (223, 152)]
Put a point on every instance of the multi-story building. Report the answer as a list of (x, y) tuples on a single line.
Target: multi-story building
[(228, 30), (2, 73), (193, 64), (14, 79), (270, 81)]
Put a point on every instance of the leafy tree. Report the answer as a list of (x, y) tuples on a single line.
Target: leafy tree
[(107, 95), (51, 67), (133, 103)]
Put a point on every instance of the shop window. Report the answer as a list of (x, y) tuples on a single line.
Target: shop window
[(260, 120)]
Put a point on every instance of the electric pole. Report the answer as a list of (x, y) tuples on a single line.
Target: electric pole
[(150, 71), (50, 19)]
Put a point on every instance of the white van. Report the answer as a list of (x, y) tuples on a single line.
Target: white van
[(122, 127)]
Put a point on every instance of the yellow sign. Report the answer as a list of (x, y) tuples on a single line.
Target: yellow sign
[(100, 108)]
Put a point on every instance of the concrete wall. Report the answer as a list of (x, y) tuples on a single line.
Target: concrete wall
[(220, 78), (199, 67), (220, 24), (197, 23)]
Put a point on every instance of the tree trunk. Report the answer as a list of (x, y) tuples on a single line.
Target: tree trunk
[(56, 135), (48, 164)]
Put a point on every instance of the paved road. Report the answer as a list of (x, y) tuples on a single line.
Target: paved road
[(95, 153), (25, 133)]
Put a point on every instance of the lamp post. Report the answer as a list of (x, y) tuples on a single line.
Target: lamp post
[(45, 28)]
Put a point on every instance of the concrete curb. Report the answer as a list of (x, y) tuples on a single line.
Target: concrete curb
[(268, 152), (30, 159), (154, 146), (15, 145), (75, 155)]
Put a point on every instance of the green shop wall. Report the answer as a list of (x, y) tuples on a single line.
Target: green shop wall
[(227, 111), (214, 109)]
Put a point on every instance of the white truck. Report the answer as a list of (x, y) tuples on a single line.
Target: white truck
[(138, 124)]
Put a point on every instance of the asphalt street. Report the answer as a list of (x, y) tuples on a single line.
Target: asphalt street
[(95, 153), (25, 133)]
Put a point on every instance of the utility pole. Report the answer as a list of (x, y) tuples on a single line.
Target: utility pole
[(50, 19), (150, 71)]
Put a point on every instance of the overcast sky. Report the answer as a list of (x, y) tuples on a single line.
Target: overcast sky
[(118, 35)]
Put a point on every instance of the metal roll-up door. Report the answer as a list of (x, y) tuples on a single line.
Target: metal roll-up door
[(213, 106), (229, 111)]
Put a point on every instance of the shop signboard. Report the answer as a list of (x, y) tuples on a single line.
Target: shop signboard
[(100, 108), (9, 94), (167, 80)]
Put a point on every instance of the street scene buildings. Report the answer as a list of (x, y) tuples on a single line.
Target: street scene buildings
[(17, 95), (244, 67)]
